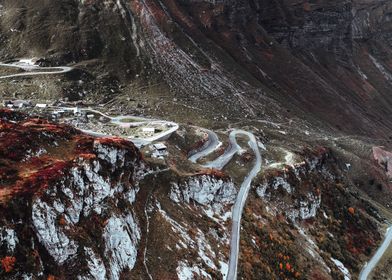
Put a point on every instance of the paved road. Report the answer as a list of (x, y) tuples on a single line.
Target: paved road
[(211, 145), (33, 70), (119, 120), (219, 163), (240, 202), (164, 135), (368, 268)]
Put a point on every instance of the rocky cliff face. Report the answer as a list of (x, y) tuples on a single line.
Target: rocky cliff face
[(307, 222), (78, 207), (67, 202)]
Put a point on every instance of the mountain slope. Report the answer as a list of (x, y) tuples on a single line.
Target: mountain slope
[(310, 79)]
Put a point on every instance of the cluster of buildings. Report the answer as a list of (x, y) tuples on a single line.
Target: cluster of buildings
[(20, 104), (52, 112), (84, 119)]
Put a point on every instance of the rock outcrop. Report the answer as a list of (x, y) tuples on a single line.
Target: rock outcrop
[(67, 211), (309, 218), (204, 190)]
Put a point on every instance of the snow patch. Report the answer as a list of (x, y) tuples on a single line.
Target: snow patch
[(224, 269), (342, 268), (312, 249), (186, 272), (381, 68)]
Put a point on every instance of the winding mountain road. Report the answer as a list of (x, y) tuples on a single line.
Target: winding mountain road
[(32, 69), (238, 207), (139, 121), (368, 268), (211, 145)]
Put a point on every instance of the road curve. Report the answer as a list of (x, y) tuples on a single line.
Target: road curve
[(368, 268), (211, 145), (219, 163), (139, 142), (240, 203), (32, 67)]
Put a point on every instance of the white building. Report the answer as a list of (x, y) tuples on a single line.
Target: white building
[(160, 147), (159, 150), (17, 104), (76, 111), (148, 131), (41, 105)]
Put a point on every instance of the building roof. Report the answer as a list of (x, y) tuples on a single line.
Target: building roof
[(148, 129), (159, 146)]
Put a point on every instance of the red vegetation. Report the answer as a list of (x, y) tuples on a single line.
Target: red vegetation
[(88, 156), (198, 144), (35, 153), (111, 141), (288, 267), (307, 7), (8, 114), (8, 263), (115, 141), (62, 221), (41, 179), (247, 157), (213, 172)]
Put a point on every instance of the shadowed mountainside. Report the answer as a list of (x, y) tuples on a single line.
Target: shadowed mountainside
[(324, 61)]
